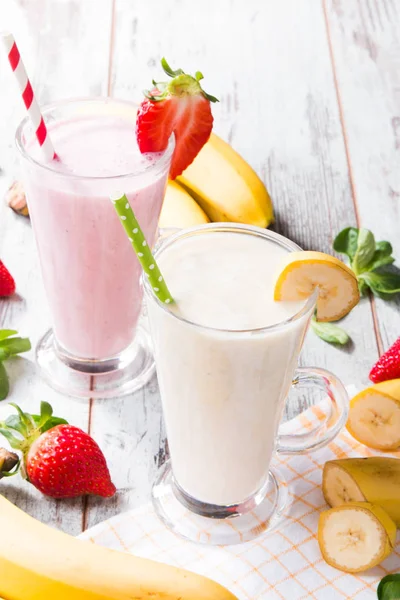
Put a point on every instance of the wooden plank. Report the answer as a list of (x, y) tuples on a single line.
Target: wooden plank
[(365, 41), (66, 49), (269, 64)]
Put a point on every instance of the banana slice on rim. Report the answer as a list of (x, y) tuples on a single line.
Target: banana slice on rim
[(374, 416), (304, 271), (355, 537)]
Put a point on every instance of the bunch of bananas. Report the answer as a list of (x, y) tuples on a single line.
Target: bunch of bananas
[(218, 186)]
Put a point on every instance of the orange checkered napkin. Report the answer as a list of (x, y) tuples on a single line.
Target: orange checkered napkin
[(283, 564)]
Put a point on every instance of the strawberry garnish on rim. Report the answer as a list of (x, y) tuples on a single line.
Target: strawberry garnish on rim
[(180, 107)]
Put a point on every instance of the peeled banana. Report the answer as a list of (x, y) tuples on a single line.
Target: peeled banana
[(374, 416), (179, 209), (226, 187), (355, 537), (39, 562), (375, 479)]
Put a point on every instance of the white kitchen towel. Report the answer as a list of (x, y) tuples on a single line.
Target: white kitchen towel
[(283, 564)]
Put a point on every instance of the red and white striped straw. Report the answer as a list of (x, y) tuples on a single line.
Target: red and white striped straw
[(28, 96)]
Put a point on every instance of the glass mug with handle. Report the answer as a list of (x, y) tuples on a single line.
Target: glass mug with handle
[(226, 357)]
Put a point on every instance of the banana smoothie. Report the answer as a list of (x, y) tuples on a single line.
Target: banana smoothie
[(224, 364)]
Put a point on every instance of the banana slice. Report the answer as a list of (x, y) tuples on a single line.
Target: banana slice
[(337, 284), (355, 537), (374, 416), (375, 479)]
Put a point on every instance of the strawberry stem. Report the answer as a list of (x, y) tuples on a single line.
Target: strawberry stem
[(167, 69), (182, 84), (23, 429)]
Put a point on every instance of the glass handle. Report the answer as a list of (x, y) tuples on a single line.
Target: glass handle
[(328, 424)]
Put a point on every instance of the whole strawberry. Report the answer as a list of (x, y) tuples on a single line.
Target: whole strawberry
[(388, 366), (180, 107), (7, 283), (60, 460)]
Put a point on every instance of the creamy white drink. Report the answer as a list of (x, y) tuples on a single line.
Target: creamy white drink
[(224, 371)]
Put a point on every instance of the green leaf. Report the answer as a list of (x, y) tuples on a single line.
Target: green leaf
[(382, 282), (14, 422), (46, 412), (53, 422), (330, 333), (4, 354), (383, 256), (5, 333), (15, 345), (363, 287), (14, 442), (380, 261), (384, 247), (389, 588), (4, 383), (26, 418), (365, 251), (45, 420), (346, 242), (167, 69)]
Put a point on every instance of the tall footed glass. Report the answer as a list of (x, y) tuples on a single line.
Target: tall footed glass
[(96, 347), (224, 388)]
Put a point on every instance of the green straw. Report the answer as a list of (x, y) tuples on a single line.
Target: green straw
[(140, 246)]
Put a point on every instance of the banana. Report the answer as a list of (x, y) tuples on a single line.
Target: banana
[(374, 416), (302, 272), (179, 209), (355, 537), (375, 479), (226, 187), (39, 562)]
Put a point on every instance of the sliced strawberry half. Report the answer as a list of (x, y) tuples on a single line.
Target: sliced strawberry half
[(7, 283), (388, 366), (181, 107)]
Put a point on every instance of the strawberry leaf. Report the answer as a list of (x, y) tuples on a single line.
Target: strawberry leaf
[(14, 422), (14, 442), (45, 420), (50, 423), (26, 418), (167, 69), (46, 411), (4, 383)]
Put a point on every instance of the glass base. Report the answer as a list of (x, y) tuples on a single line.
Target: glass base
[(113, 377), (215, 525)]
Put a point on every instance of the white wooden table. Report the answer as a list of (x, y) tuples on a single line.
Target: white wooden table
[(310, 96)]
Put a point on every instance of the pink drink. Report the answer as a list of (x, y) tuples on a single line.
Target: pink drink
[(90, 272)]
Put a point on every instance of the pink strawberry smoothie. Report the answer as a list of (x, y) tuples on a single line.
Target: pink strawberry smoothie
[(90, 272)]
